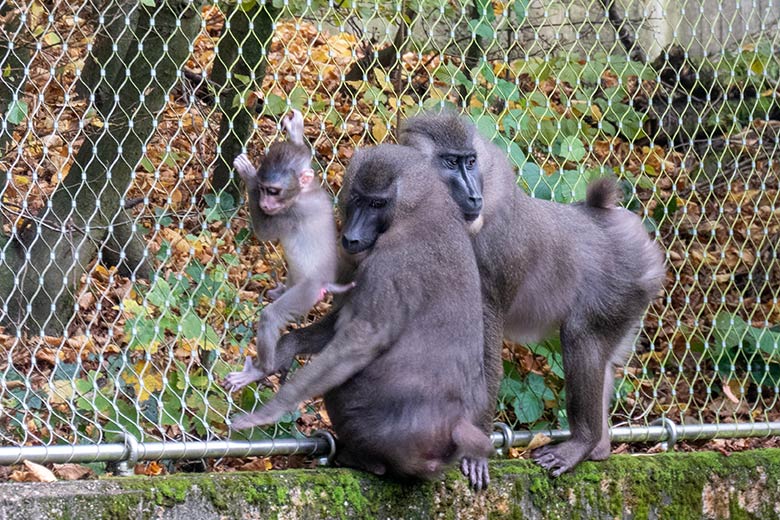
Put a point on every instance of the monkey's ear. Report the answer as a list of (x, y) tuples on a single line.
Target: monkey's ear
[(305, 177), (293, 125)]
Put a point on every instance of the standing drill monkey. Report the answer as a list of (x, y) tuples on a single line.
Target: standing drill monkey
[(589, 269), (286, 205), (400, 373)]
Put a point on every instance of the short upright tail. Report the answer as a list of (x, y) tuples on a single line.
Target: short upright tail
[(603, 193)]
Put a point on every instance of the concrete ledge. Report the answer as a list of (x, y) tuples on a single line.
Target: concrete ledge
[(667, 486)]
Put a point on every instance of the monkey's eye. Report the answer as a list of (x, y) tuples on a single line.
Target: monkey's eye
[(378, 203), (470, 162), (450, 161), (273, 192)]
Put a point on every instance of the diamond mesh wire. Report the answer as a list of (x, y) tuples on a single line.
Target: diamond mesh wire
[(130, 281)]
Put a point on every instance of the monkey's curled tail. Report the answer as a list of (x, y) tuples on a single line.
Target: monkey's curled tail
[(603, 193)]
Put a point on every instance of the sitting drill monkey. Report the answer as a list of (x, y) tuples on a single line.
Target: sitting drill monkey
[(401, 373)]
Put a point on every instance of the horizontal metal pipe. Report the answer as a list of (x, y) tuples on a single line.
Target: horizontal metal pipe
[(62, 453), (659, 432), (315, 446), (163, 450)]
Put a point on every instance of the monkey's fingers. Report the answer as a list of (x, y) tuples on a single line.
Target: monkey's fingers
[(334, 288), (235, 381), (276, 292), (248, 420), (243, 166), (266, 415), (292, 123), (337, 288)]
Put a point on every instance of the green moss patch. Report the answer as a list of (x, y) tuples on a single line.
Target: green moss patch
[(674, 485)]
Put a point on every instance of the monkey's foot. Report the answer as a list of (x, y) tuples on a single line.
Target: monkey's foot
[(601, 451), (235, 381), (345, 458), (560, 458), (276, 292), (268, 414), (476, 470)]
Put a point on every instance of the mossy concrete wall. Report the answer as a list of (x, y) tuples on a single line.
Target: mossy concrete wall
[(666, 486)]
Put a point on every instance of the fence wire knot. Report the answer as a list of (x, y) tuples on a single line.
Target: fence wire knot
[(507, 436), (126, 466), (671, 432), (324, 434)]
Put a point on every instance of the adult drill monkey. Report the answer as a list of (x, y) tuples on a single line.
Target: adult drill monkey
[(286, 205), (589, 269), (400, 375)]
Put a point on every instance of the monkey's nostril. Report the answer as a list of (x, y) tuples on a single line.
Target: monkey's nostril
[(354, 246)]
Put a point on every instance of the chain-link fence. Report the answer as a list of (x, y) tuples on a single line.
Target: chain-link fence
[(130, 281)]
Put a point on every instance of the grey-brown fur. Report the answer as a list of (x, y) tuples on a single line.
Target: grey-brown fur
[(400, 372), (589, 270), (305, 228)]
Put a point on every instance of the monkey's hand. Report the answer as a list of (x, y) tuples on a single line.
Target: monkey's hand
[(268, 414), (235, 381), (476, 470), (293, 125), (244, 167)]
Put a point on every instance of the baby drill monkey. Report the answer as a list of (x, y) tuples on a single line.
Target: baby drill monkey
[(286, 205)]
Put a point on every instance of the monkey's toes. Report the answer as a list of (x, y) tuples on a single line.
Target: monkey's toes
[(550, 458), (235, 381), (476, 470)]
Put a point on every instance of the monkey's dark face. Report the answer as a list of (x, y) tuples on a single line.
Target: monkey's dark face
[(447, 139), (368, 215), (459, 170)]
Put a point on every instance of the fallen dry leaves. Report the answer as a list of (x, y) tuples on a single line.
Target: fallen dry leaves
[(73, 472), (32, 472), (719, 238)]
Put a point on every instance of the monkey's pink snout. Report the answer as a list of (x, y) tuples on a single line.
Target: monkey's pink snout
[(271, 208)]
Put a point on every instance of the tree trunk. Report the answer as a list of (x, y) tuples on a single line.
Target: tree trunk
[(250, 31), (14, 55), (472, 55), (59, 244)]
